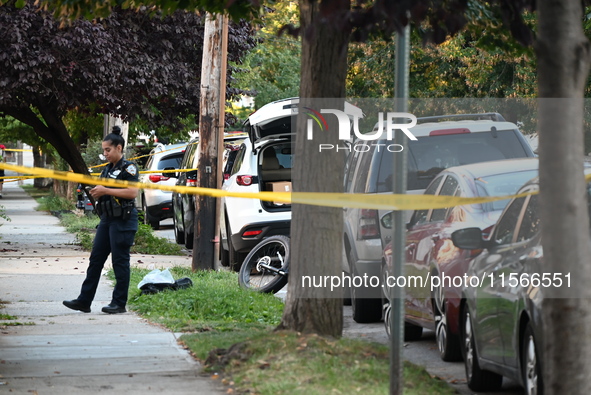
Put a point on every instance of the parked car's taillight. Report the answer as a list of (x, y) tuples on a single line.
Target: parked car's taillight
[(191, 182), (250, 233), (369, 227), (244, 180), (157, 177)]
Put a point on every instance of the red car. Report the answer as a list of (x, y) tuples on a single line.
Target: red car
[(434, 267)]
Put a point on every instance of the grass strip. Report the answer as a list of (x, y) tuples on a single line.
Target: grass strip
[(215, 302), (285, 362), (232, 332)]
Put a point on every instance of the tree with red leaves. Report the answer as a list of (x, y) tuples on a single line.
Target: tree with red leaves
[(130, 64)]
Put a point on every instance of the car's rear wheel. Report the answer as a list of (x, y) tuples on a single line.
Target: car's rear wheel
[(224, 254), (411, 332), (531, 368), (448, 343), (234, 256), (478, 379), (149, 219), (364, 309), (346, 294), (188, 239), (387, 315), (179, 235)]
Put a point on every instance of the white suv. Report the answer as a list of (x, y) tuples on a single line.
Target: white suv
[(155, 203), (263, 163)]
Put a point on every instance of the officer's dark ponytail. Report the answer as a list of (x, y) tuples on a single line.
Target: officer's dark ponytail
[(115, 137)]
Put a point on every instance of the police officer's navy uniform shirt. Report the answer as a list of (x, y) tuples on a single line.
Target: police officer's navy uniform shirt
[(123, 170)]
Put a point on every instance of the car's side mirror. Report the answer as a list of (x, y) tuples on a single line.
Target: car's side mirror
[(387, 220), (192, 174), (468, 239), (168, 172)]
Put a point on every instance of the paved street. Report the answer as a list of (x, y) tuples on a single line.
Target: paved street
[(423, 353)]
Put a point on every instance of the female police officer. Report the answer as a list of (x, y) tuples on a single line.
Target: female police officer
[(116, 230)]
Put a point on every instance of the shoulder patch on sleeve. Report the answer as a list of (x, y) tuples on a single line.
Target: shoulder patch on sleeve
[(131, 169)]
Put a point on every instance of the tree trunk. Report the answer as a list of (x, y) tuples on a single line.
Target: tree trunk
[(316, 232), (60, 188), (563, 65), (39, 161), (52, 130)]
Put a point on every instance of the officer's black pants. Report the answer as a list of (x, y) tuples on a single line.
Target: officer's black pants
[(113, 236)]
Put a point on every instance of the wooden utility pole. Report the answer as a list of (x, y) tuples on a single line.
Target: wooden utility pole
[(211, 134)]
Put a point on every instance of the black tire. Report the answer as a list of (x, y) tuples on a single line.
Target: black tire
[(149, 219), (179, 236), (273, 251), (387, 314), (236, 258), (412, 332), (386, 305), (188, 235), (189, 241), (346, 294), (448, 343), (477, 378), (531, 364), (364, 310), (224, 255)]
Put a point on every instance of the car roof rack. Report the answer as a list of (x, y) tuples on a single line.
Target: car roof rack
[(493, 116)]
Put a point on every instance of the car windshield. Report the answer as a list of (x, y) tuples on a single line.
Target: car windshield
[(502, 185), (170, 161), (431, 154)]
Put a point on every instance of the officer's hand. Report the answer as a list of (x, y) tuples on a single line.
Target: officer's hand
[(98, 191)]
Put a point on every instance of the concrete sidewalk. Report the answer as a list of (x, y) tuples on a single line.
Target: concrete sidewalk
[(55, 350)]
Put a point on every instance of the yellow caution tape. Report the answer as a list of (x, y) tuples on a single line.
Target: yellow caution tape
[(16, 178), (353, 200), (101, 165), (13, 179), (166, 150), (17, 150), (156, 171), (143, 156), (226, 144), (167, 171)]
